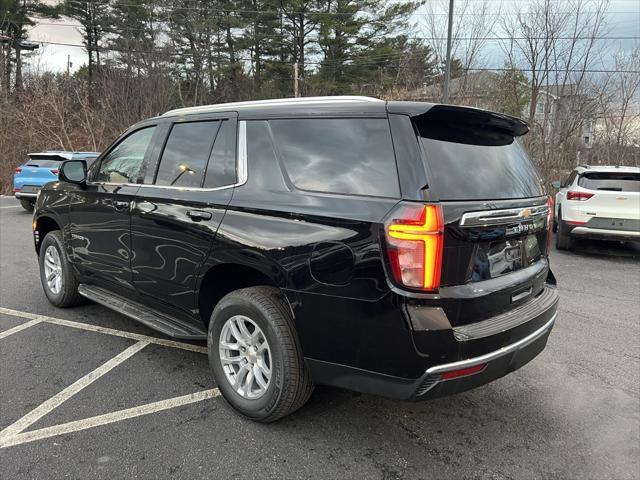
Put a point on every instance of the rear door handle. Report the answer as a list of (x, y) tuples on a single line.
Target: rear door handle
[(197, 215), (120, 205)]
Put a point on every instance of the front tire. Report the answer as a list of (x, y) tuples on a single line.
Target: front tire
[(255, 354), (27, 205), (56, 274)]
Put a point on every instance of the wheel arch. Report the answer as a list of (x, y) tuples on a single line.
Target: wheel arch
[(223, 278), (42, 225)]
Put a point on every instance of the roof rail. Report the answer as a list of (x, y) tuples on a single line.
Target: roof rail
[(271, 103)]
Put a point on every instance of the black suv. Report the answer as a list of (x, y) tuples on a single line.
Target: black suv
[(394, 248)]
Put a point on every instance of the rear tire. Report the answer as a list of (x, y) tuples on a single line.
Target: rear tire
[(56, 273), (27, 205), (563, 238), (267, 317)]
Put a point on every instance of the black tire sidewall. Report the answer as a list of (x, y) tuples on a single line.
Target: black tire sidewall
[(27, 205), (239, 305), (53, 238)]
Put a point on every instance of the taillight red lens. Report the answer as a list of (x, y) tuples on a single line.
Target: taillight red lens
[(55, 171), (579, 196), (414, 245), (463, 372), (18, 169)]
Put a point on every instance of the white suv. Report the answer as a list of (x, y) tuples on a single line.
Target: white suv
[(598, 202)]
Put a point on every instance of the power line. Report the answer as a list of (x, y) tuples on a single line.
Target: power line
[(355, 61), (73, 25)]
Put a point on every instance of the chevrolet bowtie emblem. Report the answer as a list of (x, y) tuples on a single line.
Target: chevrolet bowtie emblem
[(526, 213)]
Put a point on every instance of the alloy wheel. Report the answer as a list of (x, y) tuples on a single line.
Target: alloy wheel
[(245, 356)]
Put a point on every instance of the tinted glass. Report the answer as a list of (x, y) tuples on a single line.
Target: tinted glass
[(570, 179), (221, 170), (461, 171), (352, 156), (613, 181), (186, 153), (124, 163), (44, 161)]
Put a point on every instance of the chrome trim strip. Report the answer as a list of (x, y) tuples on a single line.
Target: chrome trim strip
[(242, 152), (499, 217), (603, 231), (470, 362), (25, 195), (241, 165)]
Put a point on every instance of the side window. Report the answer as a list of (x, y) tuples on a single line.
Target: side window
[(124, 163), (221, 169), (186, 154), (340, 155)]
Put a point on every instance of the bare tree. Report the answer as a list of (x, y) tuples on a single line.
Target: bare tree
[(473, 25)]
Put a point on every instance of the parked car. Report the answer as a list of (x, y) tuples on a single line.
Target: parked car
[(598, 202), (393, 248), (39, 169)]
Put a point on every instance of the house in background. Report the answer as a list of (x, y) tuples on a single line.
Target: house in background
[(560, 111)]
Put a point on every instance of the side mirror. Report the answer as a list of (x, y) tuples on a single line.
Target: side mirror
[(74, 171), (556, 184)]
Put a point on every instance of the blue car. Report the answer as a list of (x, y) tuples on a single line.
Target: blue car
[(41, 168)]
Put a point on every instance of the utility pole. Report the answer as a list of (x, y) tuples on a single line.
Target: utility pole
[(296, 89), (447, 70), (68, 64)]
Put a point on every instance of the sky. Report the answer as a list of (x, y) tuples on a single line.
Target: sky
[(623, 20)]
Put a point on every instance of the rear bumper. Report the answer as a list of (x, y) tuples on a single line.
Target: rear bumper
[(605, 234), (434, 382), (496, 364), (26, 196)]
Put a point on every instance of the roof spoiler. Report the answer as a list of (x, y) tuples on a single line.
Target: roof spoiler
[(475, 118)]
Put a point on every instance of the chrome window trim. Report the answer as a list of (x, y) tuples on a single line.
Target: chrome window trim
[(500, 217), (241, 166)]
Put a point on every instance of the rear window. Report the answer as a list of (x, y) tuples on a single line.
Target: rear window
[(44, 161), (478, 164), (338, 155), (613, 181)]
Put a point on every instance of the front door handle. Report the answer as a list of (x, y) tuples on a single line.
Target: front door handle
[(120, 205), (197, 215)]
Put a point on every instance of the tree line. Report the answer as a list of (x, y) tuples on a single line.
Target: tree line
[(226, 50)]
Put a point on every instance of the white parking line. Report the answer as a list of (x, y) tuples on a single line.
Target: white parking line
[(107, 418), (58, 399), (19, 328), (13, 206), (108, 331)]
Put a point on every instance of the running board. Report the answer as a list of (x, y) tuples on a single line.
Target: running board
[(143, 314)]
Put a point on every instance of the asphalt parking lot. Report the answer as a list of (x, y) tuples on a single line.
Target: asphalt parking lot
[(88, 393)]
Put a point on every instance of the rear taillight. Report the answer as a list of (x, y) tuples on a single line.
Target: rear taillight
[(414, 236), (18, 169), (579, 196), (16, 189), (55, 171), (551, 206)]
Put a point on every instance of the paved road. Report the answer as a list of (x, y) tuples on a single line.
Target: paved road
[(571, 413)]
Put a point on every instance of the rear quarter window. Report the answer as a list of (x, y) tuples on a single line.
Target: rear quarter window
[(338, 155)]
